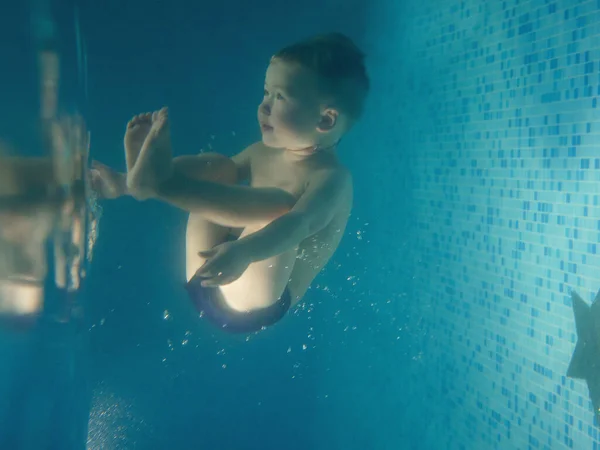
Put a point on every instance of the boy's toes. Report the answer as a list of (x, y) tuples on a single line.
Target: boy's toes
[(139, 119), (161, 114)]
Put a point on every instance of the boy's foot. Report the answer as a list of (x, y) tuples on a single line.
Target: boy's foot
[(155, 162), (108, 183), (135, 134)]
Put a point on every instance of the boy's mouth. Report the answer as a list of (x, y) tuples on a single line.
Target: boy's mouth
[(265, 127)]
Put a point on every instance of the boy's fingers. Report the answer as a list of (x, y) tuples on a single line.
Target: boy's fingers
[(210, 282), (227, 280), (217, 279), (203, 271), (207, 269)]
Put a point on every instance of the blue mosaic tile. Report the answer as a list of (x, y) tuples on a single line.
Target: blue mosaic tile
[(503, 134)]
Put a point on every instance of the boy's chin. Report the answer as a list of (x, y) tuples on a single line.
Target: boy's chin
[(270, 142)]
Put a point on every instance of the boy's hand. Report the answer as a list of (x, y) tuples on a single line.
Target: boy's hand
[(224, 264)]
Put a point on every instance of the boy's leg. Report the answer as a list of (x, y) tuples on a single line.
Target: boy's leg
[(154, 176), (260, 286), (211, 167), (202, 234), (135, 135), (264, 282), (110, 184), (154, 161)]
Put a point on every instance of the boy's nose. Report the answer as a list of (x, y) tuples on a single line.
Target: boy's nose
[(265, 108)]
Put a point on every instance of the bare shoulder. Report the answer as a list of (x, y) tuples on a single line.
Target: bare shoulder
[(328, 196), (333, 176), (343, 177), (247, 153)]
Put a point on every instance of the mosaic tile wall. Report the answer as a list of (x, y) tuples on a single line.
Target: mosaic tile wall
[(498, 103)]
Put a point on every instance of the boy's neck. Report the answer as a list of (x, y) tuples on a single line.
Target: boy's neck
[(314, 150)]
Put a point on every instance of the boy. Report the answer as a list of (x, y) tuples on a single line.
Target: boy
[(252, 252)]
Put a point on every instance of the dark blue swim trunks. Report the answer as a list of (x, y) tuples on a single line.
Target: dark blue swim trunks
[(210, 304)]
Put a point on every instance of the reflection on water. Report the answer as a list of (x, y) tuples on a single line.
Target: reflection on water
[(48, 228), (39, 202), (47, 198)]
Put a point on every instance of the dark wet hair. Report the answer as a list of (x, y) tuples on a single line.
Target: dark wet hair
[(340, 66)]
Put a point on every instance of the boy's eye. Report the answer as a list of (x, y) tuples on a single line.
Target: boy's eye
[(278, 96)]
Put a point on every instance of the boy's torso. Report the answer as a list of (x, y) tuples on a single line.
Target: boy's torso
[(273, 168)]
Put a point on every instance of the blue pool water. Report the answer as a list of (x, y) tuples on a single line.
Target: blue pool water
[(445, 320)]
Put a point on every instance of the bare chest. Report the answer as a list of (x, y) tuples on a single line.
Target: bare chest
[(272, 170)]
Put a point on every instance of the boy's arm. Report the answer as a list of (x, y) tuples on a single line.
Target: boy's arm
[(225, 204), (214, 167), (326, 192)]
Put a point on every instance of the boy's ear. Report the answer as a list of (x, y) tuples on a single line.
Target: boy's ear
[(329, 118)]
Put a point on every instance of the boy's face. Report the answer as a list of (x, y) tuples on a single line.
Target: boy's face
[(291, 113)]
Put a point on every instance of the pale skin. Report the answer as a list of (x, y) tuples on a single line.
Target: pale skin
[(289, 220)]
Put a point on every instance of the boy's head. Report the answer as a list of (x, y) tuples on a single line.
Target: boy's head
[(314, 92)]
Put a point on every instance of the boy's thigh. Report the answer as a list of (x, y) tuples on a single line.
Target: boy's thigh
[(261, 285), (263, 282), (201, 235)]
